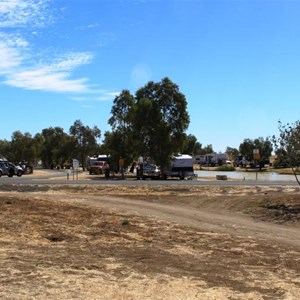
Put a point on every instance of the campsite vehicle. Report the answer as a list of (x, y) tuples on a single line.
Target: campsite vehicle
[(26, 167), (98, 167), (9, 169), (91, 160), (211, 159), (180, 166), (147, 170)]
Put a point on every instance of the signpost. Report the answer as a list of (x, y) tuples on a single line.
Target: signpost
[(256, 157), (121, 165), (75, 167), (256, 154)]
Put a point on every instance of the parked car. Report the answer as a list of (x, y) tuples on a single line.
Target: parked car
[(9, 169), (147, 170), (98, 167), (27, 168)]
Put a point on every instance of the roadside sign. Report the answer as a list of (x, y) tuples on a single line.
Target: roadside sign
[(75, 164), (256, 154), (121, 162)]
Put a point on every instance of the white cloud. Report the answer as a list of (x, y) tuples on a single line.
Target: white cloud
[(54, 74), (97, 96), (72, 60), (18, 13), (107, 96), (9, 58), (13, 50), (55, 77), (46, 80)]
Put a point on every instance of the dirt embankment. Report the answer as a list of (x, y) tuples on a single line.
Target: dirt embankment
[(151, 242)]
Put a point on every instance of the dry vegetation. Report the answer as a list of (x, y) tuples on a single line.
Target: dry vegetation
[(79, 242)]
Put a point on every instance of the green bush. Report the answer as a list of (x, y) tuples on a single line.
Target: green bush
[(125, 222), (225, 168)]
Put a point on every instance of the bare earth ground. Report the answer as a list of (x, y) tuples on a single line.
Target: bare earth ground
[(150, 242)]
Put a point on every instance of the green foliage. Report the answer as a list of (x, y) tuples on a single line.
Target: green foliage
[(115, 146), (121, 143), (287, 146), (84, 140), (190, 145), (161, 120), (232, 153), (227, 168), (263, 145), (55, 146), (151, 124), (22, 148), (206, 150), (122, 111), (52, 146), (125, 222), (5, 151)]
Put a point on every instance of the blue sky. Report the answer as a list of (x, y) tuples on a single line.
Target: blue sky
[(237, 62)]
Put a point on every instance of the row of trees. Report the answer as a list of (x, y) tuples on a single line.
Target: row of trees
[(53, 146), (151, 123)]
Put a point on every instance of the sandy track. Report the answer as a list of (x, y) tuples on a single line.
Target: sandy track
[(201, 219)]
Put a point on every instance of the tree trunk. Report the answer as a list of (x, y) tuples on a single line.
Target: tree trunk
[(294, 171)]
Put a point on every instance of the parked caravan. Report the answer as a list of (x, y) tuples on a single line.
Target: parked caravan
[(180, 166), (211, 159)]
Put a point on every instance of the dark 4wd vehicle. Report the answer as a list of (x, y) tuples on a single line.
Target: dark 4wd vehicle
[(99, 167), (9, 169)]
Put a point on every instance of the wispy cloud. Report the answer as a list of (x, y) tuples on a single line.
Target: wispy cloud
[(88, 26), (23, 13), (107, 96), (53, 77), (94, 96), (46, 80), (54, 74), (9, 58)]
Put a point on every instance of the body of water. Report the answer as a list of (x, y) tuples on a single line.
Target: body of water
[(203, 175)]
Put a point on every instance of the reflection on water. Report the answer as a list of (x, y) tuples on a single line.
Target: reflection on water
[(202, 175)]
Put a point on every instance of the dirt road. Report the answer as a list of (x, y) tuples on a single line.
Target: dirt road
[(201, 218), (150, 243)]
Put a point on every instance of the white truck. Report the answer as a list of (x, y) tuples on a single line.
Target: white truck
[(180, 166)]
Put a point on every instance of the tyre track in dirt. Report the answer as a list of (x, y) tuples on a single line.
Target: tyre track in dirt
[(201, 219)]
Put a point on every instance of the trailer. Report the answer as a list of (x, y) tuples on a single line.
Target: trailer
[(181, 166)]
